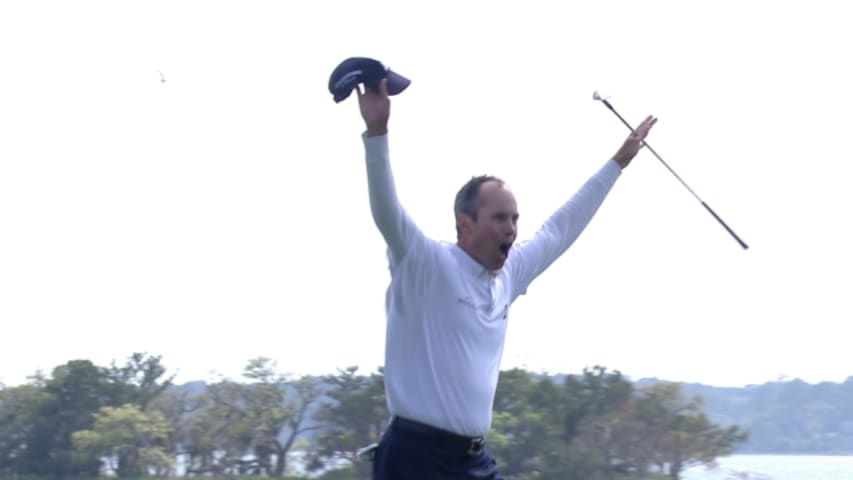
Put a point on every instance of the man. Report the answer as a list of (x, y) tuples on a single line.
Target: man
[(447, 305)]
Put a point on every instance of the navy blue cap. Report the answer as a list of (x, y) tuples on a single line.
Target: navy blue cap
[(355, 70)]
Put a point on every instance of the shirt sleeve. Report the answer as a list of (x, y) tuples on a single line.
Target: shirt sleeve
[(404, 239), (530, 258)]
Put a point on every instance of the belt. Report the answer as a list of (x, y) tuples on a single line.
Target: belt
[(469, 445)]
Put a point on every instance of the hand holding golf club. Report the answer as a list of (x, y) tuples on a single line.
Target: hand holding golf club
[(634, 142), (641, 139)]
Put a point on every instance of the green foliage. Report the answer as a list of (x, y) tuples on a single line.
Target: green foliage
[(73, 394), (131, 420), (597, 426), (18, 406), (248, 427), (133, 441), (341, 474), (680, 433), (354, 416), (140, 380), (787, 416)]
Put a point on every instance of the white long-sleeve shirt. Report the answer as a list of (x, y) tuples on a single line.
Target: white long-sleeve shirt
[(446, 315)]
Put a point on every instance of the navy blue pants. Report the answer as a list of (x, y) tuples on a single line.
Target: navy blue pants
[(406, 454)]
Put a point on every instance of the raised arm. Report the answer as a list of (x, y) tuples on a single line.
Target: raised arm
[(396, 227), (563, 227)]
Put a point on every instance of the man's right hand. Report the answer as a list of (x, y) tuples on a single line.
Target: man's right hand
[(375, 109)]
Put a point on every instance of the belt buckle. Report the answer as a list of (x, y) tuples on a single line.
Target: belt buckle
[(476, 444)]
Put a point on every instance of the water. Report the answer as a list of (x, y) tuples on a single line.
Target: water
[(776, 467)]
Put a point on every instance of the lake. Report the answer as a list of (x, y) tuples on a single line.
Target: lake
[(776, 467)]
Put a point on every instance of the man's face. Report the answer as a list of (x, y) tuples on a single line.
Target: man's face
[(489, 238)]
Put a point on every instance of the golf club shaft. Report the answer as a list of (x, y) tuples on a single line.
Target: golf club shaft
[(710, 210)]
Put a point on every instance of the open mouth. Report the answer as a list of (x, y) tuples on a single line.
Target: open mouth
[(504, 248)]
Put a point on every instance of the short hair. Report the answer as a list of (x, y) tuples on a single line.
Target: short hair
[(468, 197)]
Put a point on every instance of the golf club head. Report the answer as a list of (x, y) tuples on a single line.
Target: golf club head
[(599, 96)]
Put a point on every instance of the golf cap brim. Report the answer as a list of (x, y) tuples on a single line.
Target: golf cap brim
[(360, 70), (396, 82)]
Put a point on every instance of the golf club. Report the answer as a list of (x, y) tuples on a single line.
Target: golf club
[(603, 99)]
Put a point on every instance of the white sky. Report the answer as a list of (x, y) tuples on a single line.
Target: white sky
[(223, 214)]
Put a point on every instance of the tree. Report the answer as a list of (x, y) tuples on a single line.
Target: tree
[(132, 441), (355, 416), (177, 405), (18, 414), (75, 391), (249, 428), (279, 406), (141, 379), (557, 430), (594, 393), (525, 436), (66, 403), (679, 431), (202, 435)]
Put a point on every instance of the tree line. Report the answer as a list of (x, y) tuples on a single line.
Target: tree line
[(131, 420), (787, 416)]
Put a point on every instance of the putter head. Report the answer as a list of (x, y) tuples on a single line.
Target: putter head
[(599, 96), (367, 454)]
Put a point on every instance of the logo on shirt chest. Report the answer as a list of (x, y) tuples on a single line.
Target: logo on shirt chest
[(467, 301)]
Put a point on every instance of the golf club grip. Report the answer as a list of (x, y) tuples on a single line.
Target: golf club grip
[(710, 210), (742, 244)]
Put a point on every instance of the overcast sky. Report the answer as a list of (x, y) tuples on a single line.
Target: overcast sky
[(223, 214)]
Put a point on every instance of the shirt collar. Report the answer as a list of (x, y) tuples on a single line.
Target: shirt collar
[(471, 266)]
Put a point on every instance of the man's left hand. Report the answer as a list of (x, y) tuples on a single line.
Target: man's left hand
[(634, 142)]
